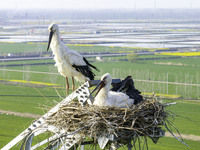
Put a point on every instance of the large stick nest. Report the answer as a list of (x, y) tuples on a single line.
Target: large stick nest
[(144, 119)]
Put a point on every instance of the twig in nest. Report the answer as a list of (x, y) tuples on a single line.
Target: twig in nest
[(142, 121)]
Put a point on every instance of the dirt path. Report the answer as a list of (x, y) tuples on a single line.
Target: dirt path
[(26, 115), (35, 116), (184, 136)]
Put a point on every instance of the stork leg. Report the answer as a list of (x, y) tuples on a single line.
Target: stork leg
[(67, 85), (73, 85)]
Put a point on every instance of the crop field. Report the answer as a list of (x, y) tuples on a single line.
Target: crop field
[(41, 47), (41, 91), (183, 71), (34, 86)]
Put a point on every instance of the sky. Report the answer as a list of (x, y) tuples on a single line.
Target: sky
[(97, 4)]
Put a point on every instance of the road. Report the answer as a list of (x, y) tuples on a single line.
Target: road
[(88, 55)]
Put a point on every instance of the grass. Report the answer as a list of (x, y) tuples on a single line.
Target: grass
[(164, 143), (27, 62), (187, 111), (187, 119), (11, 126), (27, 99), (21, 48), (172, 144), (148, 65), (189, 61)]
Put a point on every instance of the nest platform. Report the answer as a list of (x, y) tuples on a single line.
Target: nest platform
[(124, 124)]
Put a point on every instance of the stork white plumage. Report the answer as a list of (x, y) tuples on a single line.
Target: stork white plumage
[(105, 97), (69, 62)]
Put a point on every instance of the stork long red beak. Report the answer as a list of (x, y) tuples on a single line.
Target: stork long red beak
[(50, 38), (99, 86)]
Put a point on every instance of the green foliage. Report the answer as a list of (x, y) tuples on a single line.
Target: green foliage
[(132, 57)]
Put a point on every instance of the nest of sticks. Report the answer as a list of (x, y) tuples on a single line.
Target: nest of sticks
[(143, 120)]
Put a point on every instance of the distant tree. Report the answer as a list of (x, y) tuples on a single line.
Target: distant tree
[(132, 57)]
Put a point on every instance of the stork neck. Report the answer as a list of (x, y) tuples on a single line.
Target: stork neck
[(55, 39), (102, 97)]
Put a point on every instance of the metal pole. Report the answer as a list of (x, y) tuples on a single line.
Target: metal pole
[(197, 86), (167, 83)]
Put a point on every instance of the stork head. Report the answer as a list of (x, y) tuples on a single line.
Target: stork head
[(52, 29), (105, 82)]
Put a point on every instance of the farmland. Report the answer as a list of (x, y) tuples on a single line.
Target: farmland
[(33, 86), (33, 97), (183, 71)]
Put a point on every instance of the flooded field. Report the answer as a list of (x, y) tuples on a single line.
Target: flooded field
[(120, 33)]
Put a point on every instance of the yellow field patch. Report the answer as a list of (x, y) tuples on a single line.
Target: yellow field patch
[(8, 42), (30, 82), (162, 95), (184, 30), (180, 54), (36, 43)]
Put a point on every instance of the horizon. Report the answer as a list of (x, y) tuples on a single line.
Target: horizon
[(144, 13), (99, 4)]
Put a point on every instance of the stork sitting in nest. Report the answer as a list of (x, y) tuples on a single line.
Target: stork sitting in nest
[(121, 95)]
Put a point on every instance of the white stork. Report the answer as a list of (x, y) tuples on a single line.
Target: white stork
[(69, 62), (105, 97)]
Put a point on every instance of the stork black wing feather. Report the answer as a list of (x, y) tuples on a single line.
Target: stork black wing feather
[(120, 85), (85, 60), (127, 86), (85, 70)]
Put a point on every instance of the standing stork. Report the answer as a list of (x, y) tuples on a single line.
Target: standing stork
[(69, 62), (105, 97)]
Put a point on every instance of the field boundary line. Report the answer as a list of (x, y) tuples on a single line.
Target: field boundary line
[(26, 115), (165, 82), (25, 71), (138, 80)]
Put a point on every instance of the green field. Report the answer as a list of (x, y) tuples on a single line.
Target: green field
[(21, 48), (188, 123), (41, 47), (11, 126), (33, 98)]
